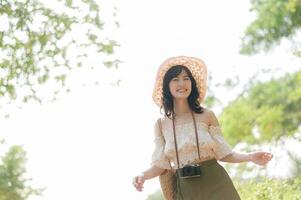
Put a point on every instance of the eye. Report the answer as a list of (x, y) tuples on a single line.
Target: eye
[(175, 79)]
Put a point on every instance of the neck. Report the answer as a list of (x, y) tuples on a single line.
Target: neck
[(181, 107)]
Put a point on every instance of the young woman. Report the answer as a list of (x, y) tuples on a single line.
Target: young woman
[(189, 137)]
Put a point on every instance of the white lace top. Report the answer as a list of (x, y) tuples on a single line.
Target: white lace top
[(211, 142)]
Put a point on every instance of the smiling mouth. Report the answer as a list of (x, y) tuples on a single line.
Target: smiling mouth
[(182, 90)]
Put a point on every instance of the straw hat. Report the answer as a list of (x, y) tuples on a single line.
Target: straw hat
[(195, 65)]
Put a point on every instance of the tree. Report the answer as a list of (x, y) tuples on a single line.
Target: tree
[(276, 19), (265, 112), (13, 184), (41, 43)]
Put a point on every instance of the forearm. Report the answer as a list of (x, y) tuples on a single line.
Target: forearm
[(152, 172), (237, 158)]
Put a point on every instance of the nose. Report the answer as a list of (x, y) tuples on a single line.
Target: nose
[(181, 82)]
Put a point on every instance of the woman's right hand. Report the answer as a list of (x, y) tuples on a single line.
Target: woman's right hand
[(138, 182)]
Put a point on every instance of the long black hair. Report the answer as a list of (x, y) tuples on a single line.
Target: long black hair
[(167, 101)]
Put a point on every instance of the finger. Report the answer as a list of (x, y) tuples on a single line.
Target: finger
[(140, 179), (140, 188), (266, 159), (269, 156), (139, 184), (135, 182), (266, 156)]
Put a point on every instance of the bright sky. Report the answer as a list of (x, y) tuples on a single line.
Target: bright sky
[(91, 142)]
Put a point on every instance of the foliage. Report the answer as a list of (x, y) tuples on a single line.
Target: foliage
[(276, 189), (13, 184), (276, 19), (41, 43), (264, 112)]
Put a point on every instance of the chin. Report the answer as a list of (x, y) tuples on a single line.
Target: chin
[(181, 97)]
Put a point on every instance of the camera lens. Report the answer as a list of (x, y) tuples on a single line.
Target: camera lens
[(188, 171)]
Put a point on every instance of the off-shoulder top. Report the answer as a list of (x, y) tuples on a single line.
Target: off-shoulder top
[(211, 142)]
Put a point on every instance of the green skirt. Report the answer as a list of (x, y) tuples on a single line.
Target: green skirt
[(213, 184)]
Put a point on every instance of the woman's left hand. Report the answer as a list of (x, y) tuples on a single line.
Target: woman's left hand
[(261, 158)]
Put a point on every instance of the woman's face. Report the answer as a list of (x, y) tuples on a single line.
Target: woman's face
[(180, 86)]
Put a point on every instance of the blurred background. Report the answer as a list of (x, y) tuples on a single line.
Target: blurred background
[(76, 79)]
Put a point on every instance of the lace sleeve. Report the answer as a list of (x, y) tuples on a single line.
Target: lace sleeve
[(221, 147), (158, 157)]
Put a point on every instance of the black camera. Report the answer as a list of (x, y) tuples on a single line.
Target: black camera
[(189, 171)]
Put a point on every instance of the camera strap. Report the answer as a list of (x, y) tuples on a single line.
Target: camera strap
[(196, 137)]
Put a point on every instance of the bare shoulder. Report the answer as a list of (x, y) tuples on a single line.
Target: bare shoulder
[(209, 117), (207, 113)]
